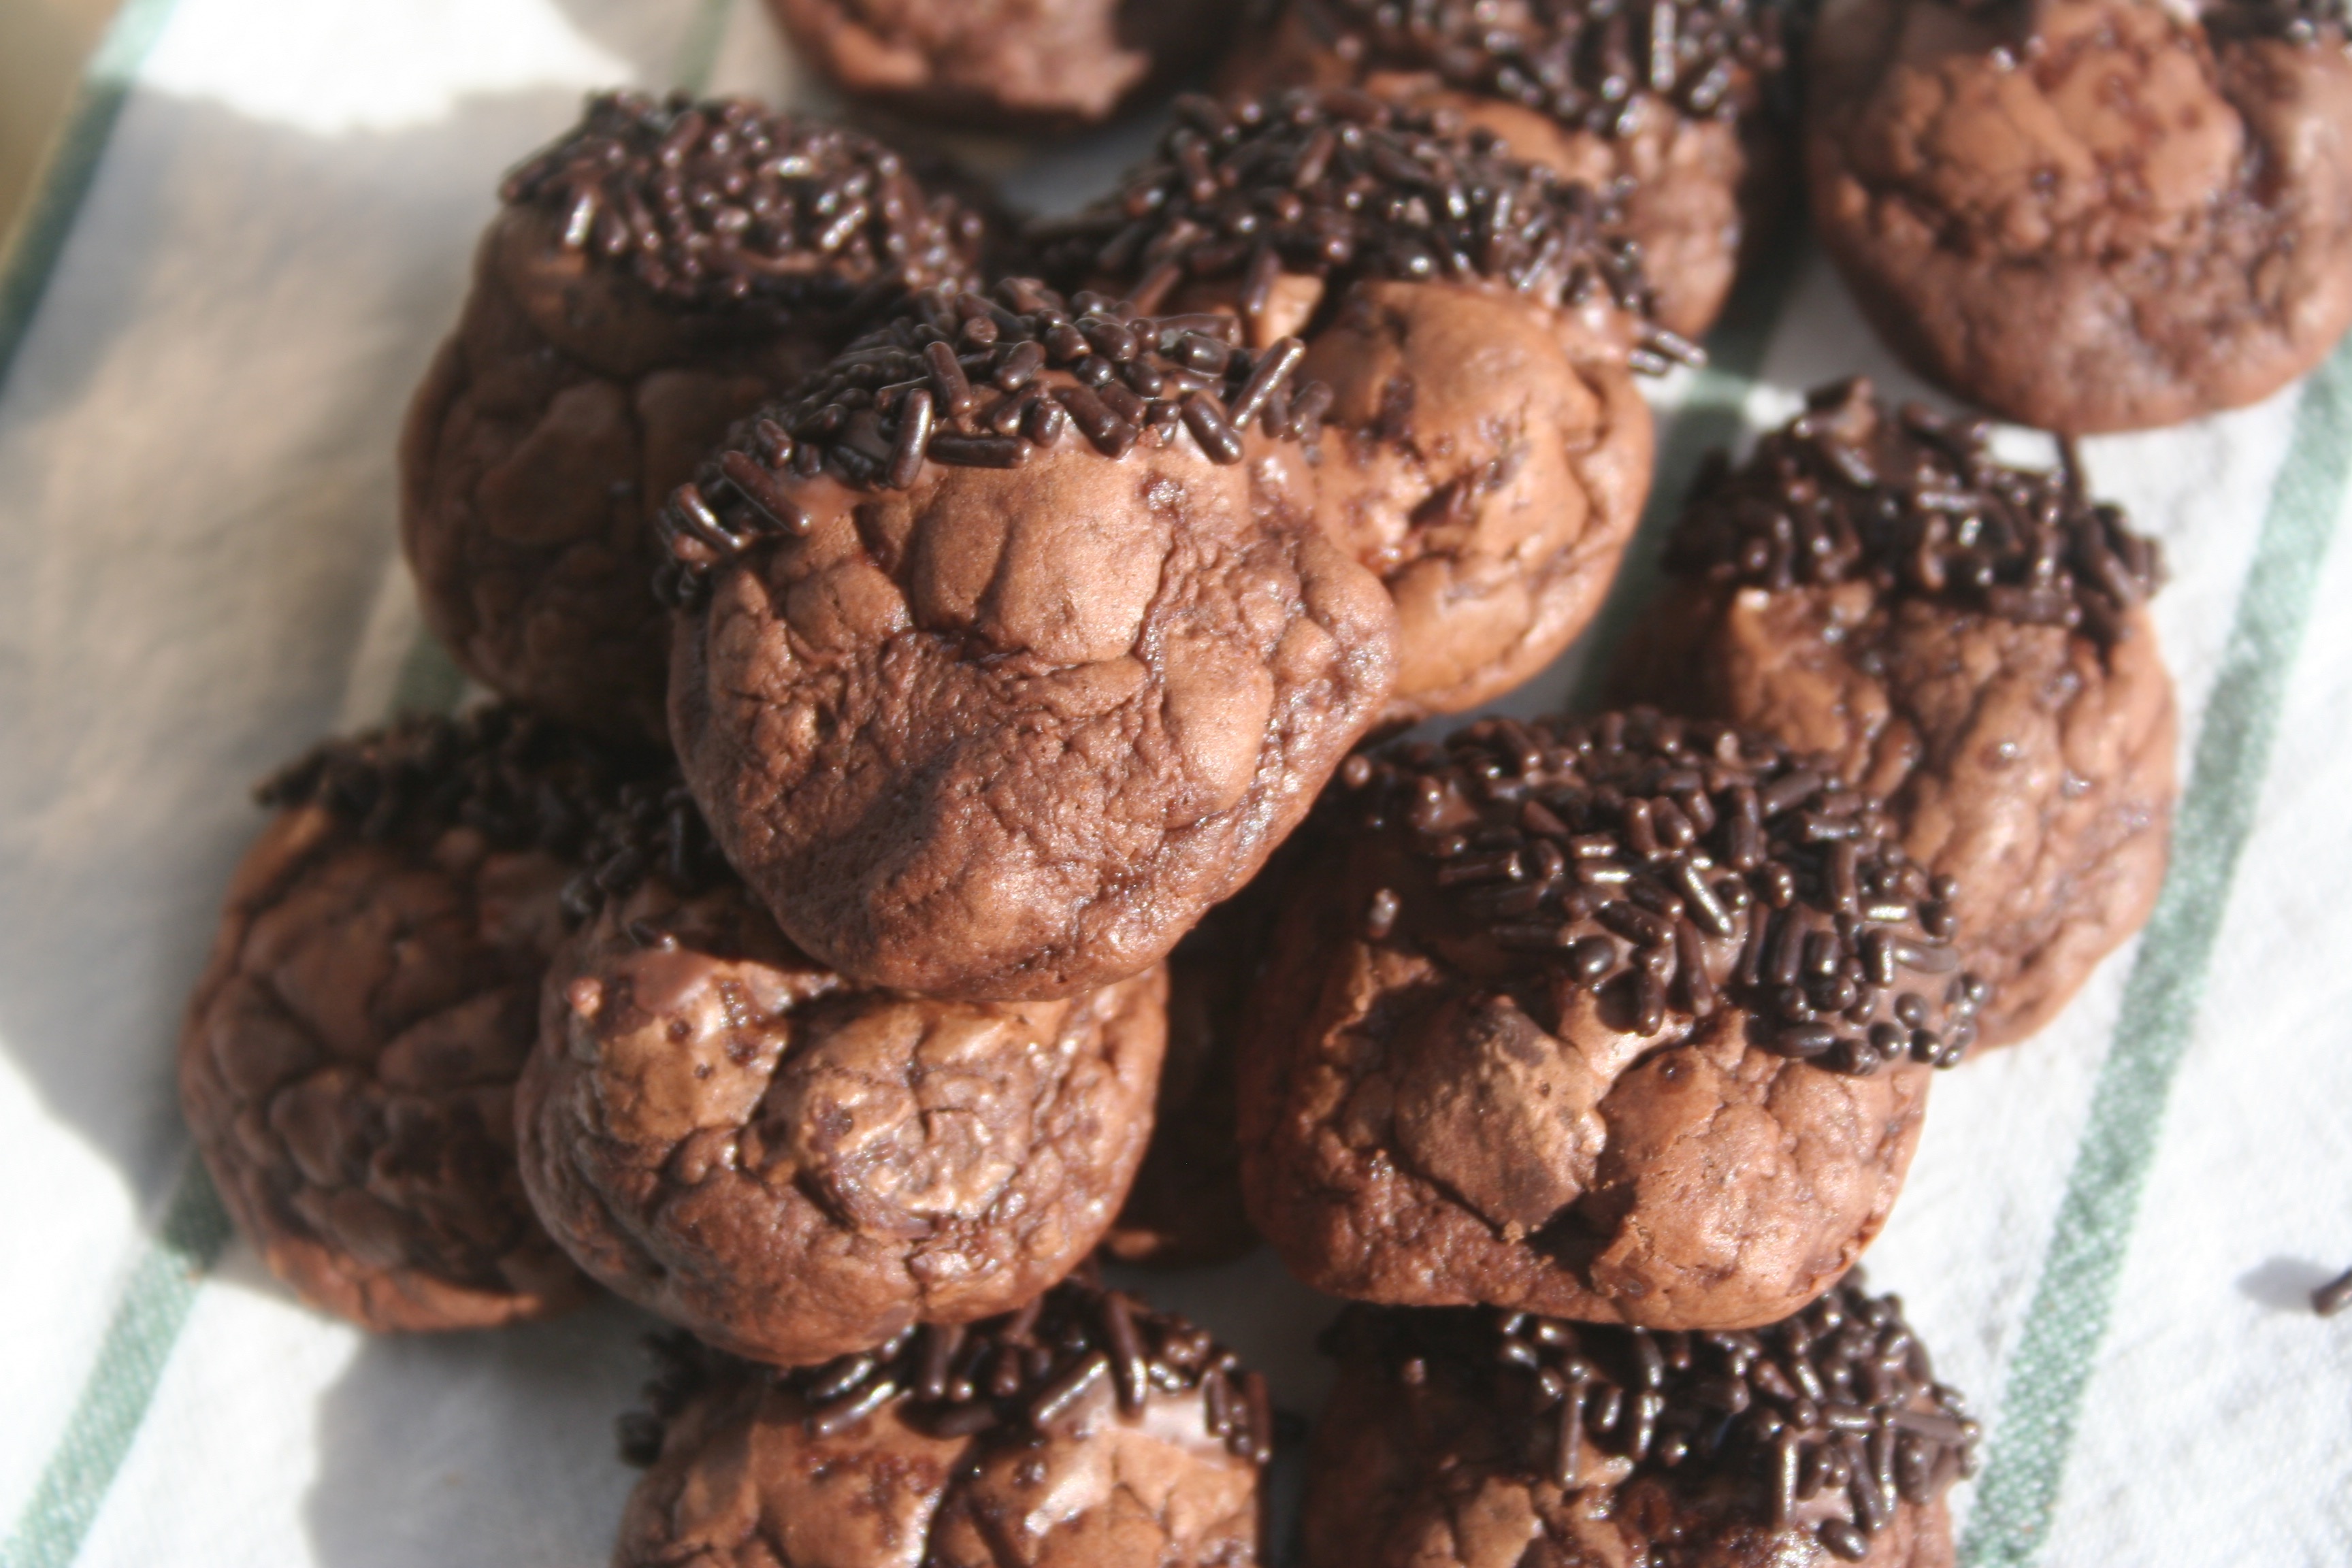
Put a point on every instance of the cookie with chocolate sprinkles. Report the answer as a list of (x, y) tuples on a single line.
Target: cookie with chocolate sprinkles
[(1824, 1437), (1009, 645), (348, 1057), (1682, 111), (729, 1133), (1966, 640), (650, 278), (1482, 446), (1084, 1430), (2089, 215), (1622, 1019), (1038, 66)]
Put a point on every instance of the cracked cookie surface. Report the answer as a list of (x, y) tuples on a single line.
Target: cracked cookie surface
[(732, 1135), (650, 278), (1628, 1020), (2089, 215)]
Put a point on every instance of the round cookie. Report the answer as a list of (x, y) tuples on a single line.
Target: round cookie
[(1009, 647), (1483, 448), (1020, 65), (2089, 215), (1969, 642), (1625, 1019), (1083, 1431), (1461, 1438), (651, 277), (349, 1058), (1678, 109), (732, 1135)]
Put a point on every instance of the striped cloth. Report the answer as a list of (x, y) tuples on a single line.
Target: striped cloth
[(255, 231)]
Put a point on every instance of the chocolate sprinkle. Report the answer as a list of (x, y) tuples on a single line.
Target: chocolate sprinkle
[(958, 378), (522, 781), (1839, 1399), (1670, 864), (1017, 1374), (649, 828), (724, 203), (1343, 186), (2333, 1297), (1912, 502), (1585, 62)]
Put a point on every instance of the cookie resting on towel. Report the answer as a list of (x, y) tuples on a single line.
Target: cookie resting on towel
[(1477, 1437), (1084, 1430), (348, 1058), (732, 1135), (1968, 641), (1019, 65), (1010, 646), (2089, 215), (1627, 1019), (1682, 108), (1481, 446), (653, 276)]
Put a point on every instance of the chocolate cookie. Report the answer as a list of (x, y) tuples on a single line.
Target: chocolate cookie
[(2089, 215), (348, 1058), (1624, 1020), (1482, 447), (1681, 108), (652, 277), (1083, 1431), (1021, 64), (1967, 641), (1462, 1438), (1185, 1208), (1009, 645), (730, 1134)]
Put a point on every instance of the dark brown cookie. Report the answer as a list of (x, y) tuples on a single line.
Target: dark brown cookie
[(2089, 215), (1483, 448), (653, 276), (1967, 641), (1681, 108), (1009, 647), (1625, 1019), (729, 1133), (348, 1058), (1463, 1438), (1083, 1431), (1185, 1208), (1018, 64)]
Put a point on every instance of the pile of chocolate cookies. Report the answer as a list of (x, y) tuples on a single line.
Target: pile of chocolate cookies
[(942, 814)]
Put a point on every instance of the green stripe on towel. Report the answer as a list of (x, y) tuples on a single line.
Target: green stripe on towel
[(130, 1361), (40, 237), (697, 57), (2043, 1402)]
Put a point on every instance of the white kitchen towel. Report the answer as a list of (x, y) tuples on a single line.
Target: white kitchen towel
[(255, 231)]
